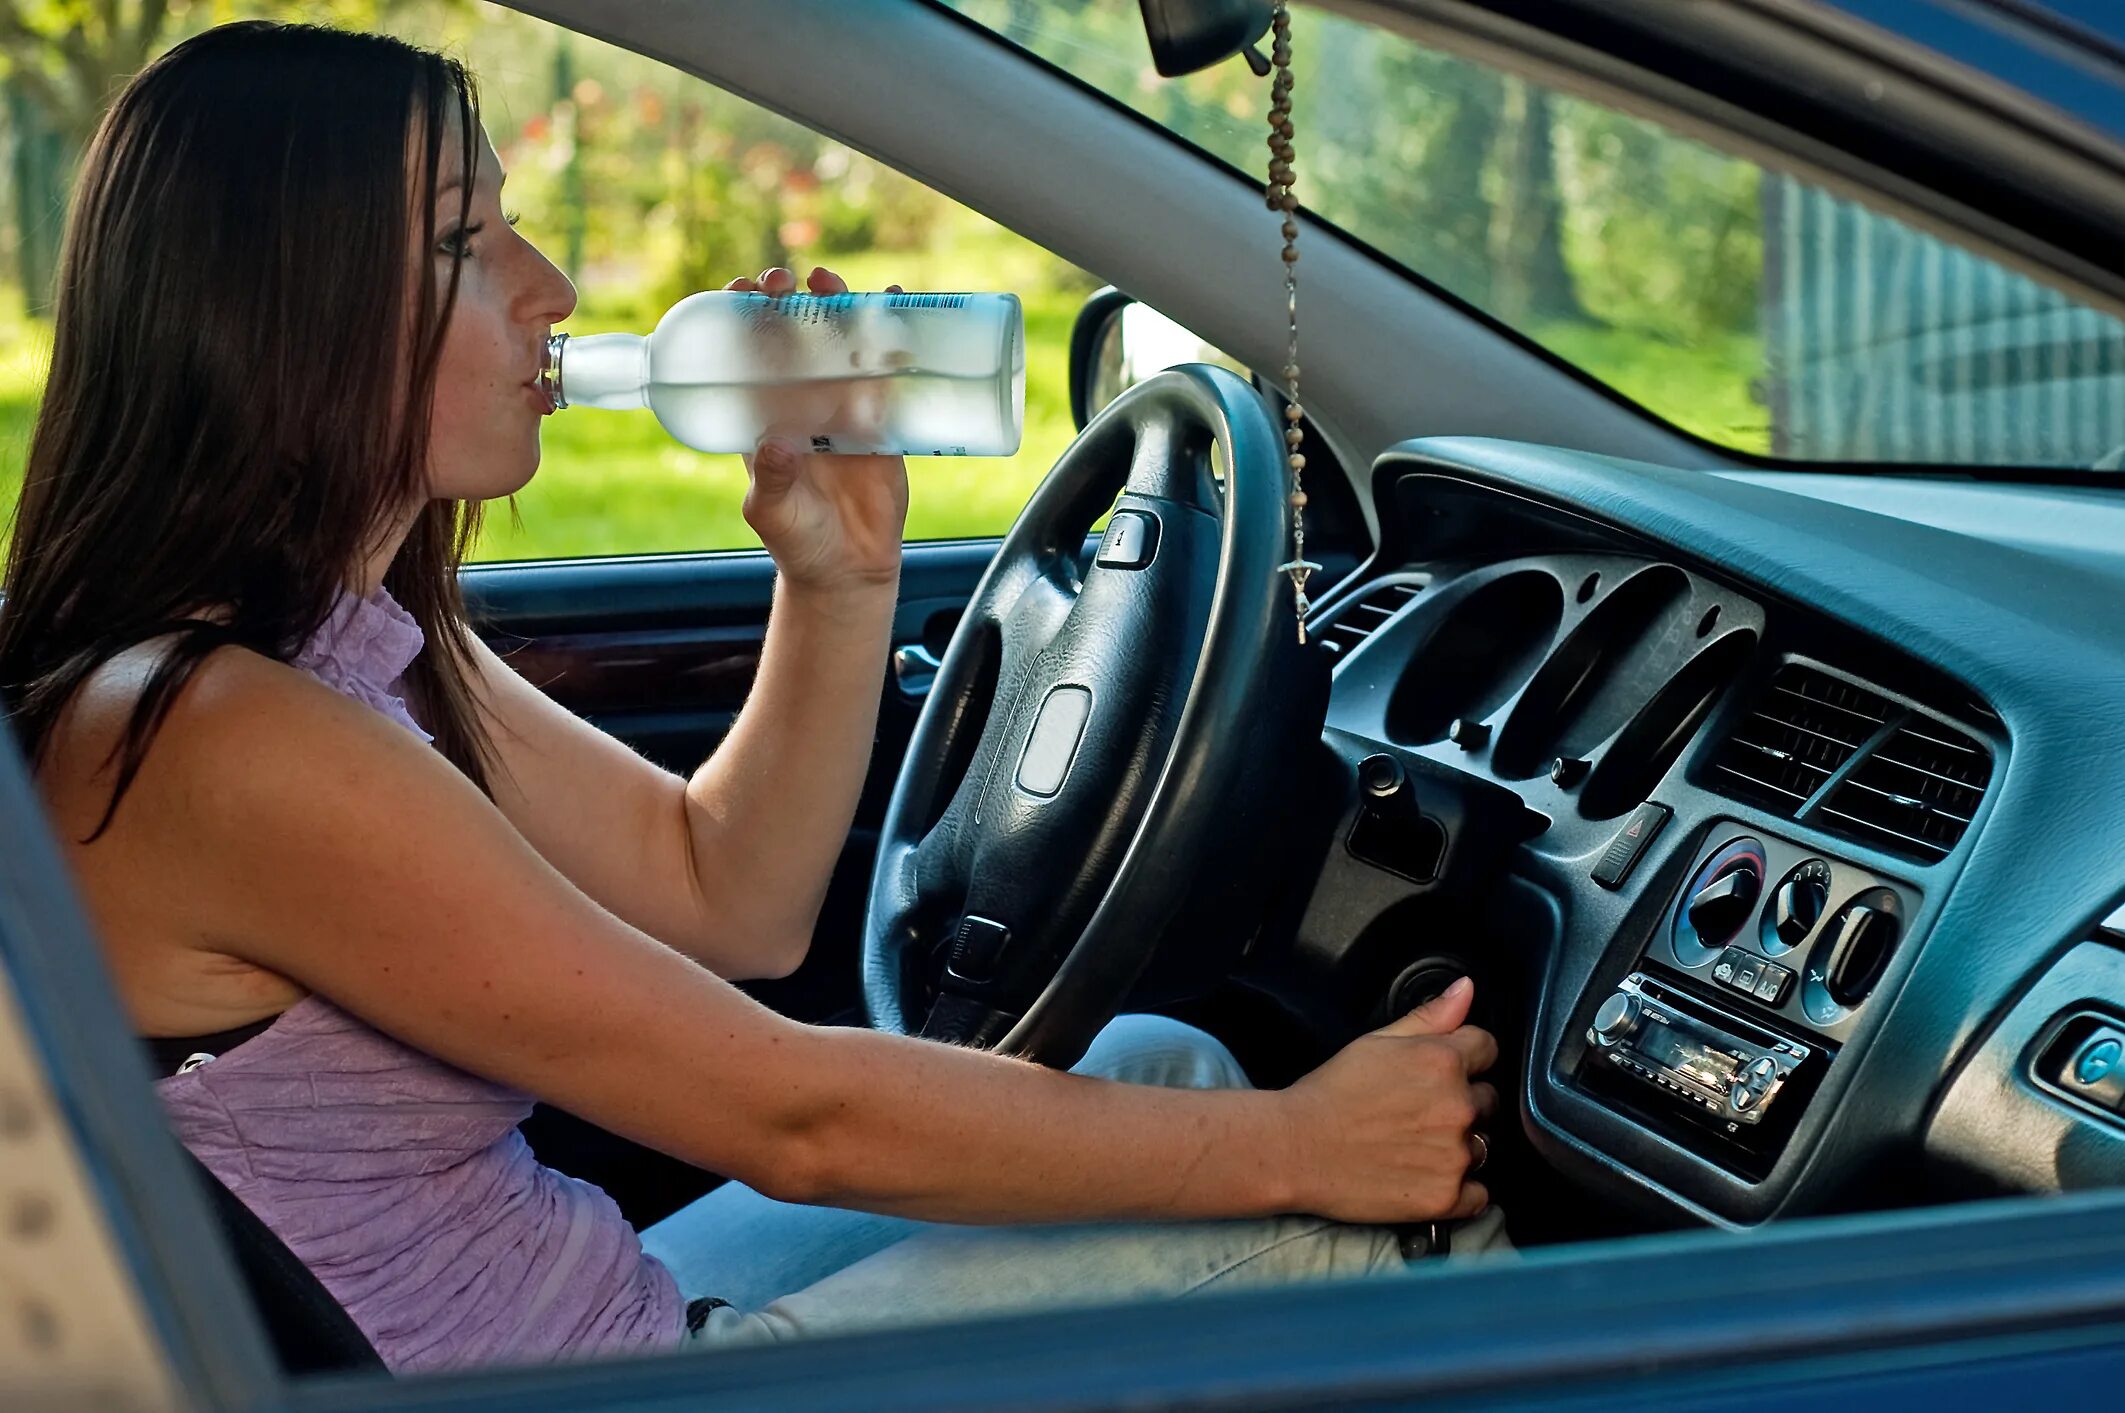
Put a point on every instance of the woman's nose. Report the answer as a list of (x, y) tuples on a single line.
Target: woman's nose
[(561, 295), (550, 295)]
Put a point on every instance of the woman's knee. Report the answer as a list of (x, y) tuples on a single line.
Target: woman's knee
[(1161, 1051)]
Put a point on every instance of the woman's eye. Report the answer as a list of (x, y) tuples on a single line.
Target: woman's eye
[(510, 218), (458, 243)]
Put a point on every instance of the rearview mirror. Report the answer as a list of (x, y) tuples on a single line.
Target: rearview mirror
[(1187, 35)]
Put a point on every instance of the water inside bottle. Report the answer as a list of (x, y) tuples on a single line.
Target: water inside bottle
[(919, 411)]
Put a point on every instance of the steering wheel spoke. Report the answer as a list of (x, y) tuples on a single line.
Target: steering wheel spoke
[(940, 862), (1035, 615)]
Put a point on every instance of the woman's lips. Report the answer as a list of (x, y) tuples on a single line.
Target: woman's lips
[(540, 399)]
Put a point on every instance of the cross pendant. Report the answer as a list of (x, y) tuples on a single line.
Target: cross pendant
[(1299, 570)]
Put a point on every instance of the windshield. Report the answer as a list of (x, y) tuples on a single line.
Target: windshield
[(1743, 305)]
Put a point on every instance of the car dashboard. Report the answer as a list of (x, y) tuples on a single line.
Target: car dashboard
[(1791, 820)]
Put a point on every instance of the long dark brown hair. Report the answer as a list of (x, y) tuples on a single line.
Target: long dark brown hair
[(235, 405)]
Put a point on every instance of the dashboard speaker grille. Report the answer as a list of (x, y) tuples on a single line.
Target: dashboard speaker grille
[(1915, 794), (1802, 730), (1366, 616)]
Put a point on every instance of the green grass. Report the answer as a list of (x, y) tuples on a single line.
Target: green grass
[(25, 354), (1708, 389)]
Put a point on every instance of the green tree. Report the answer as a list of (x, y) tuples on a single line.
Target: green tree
[(1530, 281), (64, 60)]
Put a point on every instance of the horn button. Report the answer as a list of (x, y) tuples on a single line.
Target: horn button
[(1052, 746)]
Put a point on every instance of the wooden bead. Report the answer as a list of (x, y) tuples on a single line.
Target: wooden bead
[(1293, 436), (1291, 255), (1298, 500), (1291, 229), (1291, 372), (1296, 462), (1287, 202), (1292, 412)]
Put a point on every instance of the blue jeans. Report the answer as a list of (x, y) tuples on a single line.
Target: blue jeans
[(792, 1272)]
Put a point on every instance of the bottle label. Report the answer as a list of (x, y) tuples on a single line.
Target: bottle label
[(802, 308), (925, 301)]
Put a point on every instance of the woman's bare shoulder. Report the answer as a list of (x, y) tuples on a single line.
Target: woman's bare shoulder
[(159, 877), (236, 708)]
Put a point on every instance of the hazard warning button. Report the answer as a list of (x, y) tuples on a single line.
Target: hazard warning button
[(1621, 856)]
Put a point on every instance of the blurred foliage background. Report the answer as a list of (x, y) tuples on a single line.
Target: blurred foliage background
[(643, 183), (1623, 250)]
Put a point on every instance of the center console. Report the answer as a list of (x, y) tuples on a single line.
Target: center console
[(1734, 1009)]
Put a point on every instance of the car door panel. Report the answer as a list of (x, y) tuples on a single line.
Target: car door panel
[(661, 652)]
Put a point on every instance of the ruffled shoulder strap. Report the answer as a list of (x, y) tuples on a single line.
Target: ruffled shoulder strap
[(362, 651)]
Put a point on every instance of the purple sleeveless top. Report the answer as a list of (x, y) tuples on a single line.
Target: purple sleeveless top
[(401, 1182)]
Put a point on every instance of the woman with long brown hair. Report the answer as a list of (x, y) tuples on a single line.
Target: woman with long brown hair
[(366, 892)]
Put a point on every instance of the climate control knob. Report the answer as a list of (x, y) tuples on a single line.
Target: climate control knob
[(1718, 909), (1799, 902), (1859, 942), (1617, 1018)]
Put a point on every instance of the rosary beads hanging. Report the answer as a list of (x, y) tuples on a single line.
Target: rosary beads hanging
[(1281, 199)]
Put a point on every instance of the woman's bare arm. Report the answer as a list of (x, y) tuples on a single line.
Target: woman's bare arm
[(301, 833), (731, 866)]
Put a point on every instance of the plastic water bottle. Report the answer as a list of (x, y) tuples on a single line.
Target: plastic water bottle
[(898, 374)]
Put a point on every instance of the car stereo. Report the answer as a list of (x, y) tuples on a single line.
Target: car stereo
[(1684, 1058)]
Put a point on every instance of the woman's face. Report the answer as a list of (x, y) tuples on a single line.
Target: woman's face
[(483, 436)]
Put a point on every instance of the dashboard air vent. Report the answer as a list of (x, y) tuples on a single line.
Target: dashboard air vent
[(1802, 731), (1915, 794), (1362, 619)]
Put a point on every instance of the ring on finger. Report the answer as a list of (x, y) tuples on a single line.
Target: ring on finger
[(1480, 1146)]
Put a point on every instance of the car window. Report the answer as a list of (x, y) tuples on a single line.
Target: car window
[(646, 184), (1745, 306)]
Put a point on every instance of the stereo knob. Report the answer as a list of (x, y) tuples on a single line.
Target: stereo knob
[(1617, 1018)]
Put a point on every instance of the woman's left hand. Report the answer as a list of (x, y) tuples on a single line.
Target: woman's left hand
[(831, 522)]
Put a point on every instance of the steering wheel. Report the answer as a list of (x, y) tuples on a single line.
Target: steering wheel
[(1090, 743)]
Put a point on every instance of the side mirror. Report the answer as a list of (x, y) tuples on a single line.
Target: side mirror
[(1118, 343), (1096, 354)]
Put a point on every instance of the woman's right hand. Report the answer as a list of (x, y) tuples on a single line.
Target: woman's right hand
[(1382, 1131)]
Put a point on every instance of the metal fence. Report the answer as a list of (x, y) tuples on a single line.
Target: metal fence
[(1884, 344)]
